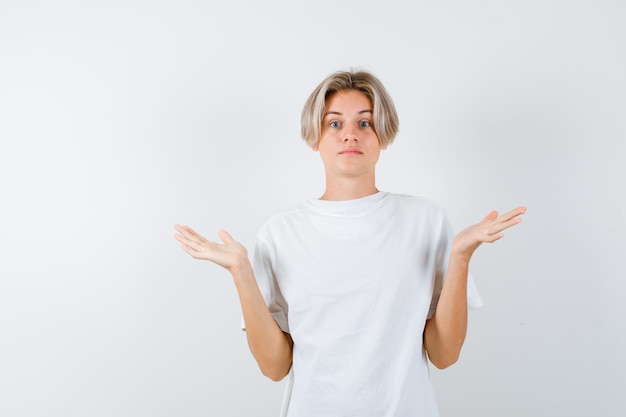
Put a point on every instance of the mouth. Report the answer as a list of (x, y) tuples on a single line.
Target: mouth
[(351, 151)]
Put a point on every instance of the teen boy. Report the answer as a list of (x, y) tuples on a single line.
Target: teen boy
[(356, 291)]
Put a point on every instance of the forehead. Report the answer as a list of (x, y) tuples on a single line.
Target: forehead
[(348, 100)]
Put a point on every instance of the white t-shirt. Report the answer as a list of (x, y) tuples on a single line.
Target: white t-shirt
[(354, 282)]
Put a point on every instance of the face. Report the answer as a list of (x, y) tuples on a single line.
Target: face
[(349, 145)]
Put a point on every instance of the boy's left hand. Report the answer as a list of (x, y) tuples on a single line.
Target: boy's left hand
[(487, 231)]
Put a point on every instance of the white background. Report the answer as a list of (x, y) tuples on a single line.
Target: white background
[(119, 119)]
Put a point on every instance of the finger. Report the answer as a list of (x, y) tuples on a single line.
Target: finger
[(188, 230), (189, 233), (197, 244), (513, 213), (190, 251), (226, 237), (492, 215), (186, 241), (499, 227), (184, 230), (493, 238)]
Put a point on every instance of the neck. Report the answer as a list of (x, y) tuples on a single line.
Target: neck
[(348, 189)]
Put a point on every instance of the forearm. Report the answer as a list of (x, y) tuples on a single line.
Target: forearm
[(271, 347), (445, 331)]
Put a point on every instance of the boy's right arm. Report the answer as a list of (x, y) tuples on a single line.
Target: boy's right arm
[(271, 347)]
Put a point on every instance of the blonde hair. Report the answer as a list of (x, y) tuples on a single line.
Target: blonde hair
[(385, 118)]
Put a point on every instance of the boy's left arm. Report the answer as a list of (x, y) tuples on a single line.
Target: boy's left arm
[(444, 333)]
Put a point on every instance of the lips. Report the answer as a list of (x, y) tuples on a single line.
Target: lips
[(351, 151)]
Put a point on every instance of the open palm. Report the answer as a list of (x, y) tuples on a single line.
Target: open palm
[(487, 231), (228, 254)]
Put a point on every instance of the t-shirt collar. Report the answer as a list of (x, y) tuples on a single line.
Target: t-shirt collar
[(348, 208)]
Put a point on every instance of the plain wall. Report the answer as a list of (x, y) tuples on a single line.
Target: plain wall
[(119, 119)]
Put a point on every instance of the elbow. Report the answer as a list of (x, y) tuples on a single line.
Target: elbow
[(274, 361), (444, 362), (276, 377), (275, 373)]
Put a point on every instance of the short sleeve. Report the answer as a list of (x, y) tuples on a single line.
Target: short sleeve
[(446, 236), (262, 264)]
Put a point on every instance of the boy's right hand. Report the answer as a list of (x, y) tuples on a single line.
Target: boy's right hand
[(230, 255)]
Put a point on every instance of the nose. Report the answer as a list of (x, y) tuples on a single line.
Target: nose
[(349, 134)]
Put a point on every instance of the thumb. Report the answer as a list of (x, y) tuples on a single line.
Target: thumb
[(492, 215), (226, 237)]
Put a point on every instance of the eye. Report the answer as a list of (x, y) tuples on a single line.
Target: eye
[(335, 124), (365, 123)]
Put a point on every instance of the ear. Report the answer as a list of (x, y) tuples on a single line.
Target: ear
[(383, 147), (316, 147)]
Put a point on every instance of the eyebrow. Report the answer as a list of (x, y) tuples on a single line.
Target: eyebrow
[(341, 114)]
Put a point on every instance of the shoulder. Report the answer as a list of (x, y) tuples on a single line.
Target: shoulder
[(283, 220), (416, 205)]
